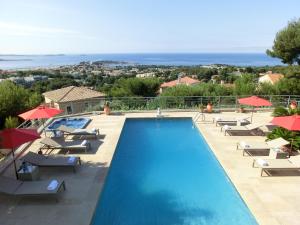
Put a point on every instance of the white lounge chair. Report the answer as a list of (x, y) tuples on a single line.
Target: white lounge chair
[(240, 130), (51, 161), (78, 132), (268, 165), (231, 121), (260, 147), (60, 143), (9, 186)]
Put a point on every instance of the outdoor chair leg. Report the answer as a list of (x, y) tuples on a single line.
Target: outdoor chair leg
[(253, 164), (64, 185)]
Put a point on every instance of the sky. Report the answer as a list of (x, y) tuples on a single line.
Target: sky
[(141, 26)]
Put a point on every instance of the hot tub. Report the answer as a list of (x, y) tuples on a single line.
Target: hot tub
[(77, 123)]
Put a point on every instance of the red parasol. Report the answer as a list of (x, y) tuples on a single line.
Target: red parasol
[(255, 102), (13, 138), (291, 123), (288, 122), (40, 112)]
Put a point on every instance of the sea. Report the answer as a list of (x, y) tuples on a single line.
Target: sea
[(174, 59)]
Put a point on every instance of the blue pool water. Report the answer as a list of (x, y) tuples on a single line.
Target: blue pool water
[(164, 173), (77, 123)]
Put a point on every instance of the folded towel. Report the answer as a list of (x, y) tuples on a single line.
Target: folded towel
[(53, 185), (84, 143), (59, 133), (244, 144), (226, 127), (95, 131), (277, 149), (262, 162), (71, 159)]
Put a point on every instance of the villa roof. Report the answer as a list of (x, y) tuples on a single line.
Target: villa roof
[(273, 77), (183, 80), (72, 93)]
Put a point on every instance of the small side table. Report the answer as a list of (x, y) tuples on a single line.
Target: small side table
[(32, 173)]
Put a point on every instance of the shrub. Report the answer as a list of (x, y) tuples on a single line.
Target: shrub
[(292, 137), (280, 111), (11, 122)]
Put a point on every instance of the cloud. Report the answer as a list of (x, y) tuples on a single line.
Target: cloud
[(23, 30)]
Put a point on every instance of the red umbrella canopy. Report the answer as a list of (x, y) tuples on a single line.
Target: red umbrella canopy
[(288, 122), (13, 137), (254, 101), (40, 112)]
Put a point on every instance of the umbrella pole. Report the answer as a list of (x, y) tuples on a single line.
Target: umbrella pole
[(252, 114), (15, 166), (44, 127)]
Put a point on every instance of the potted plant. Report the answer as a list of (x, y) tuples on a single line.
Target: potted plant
[(209, 107), (293, 104), (201, 107), (242, 109), (106, 108)]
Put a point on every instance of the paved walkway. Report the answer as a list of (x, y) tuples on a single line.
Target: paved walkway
[(273, 200)]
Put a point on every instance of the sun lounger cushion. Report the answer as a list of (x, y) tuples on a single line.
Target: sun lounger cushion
[(277, 143), (253, 126)]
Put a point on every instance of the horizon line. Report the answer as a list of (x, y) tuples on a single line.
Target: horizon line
[(123, 53)]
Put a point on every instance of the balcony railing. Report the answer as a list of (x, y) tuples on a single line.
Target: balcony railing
[(184, 102), (175, 103)]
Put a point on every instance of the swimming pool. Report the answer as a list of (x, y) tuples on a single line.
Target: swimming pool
[(77, 123), (164, 173)]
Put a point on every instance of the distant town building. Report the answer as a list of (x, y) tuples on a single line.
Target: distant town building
[(27, 81), (17, 80), (180, 81), (74, 99), (270, 77), (150, 74)]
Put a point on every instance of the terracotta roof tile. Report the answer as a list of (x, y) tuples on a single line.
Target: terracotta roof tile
[(182, 80), (272, 77), (275, 77), (72, 93)]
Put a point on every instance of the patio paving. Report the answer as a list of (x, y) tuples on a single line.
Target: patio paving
[(272, 200)]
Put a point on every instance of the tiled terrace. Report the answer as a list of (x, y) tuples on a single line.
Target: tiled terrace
[(272, 200)]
